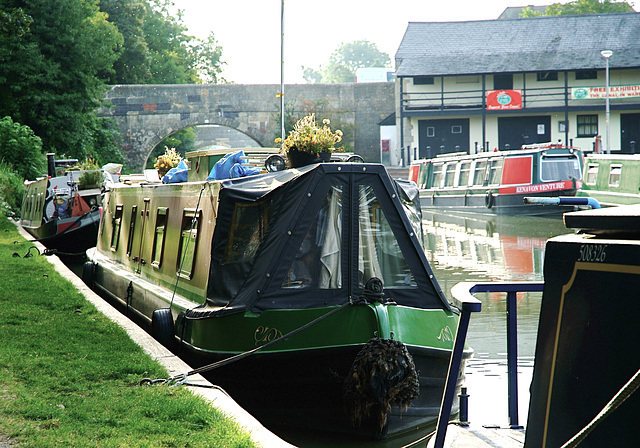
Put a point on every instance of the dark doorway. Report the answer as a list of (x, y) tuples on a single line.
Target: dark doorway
[(442, 136), (513, 132), (629, 133)]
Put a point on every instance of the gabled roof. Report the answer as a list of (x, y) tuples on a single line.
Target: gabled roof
[(519, 45)]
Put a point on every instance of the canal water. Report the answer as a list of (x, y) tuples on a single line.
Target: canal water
[(483, 249)]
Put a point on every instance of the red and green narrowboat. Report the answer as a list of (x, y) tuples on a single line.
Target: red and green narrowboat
[(219, 268), (497, 182)]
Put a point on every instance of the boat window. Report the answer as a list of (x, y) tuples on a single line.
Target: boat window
[(379, 254), (465, 169), (495, 173), (479, 172), (188, 242), (437, 175), (614, 175), (555, 168), (450, 174), (159, 237), (422, 175), (248, 227), (116, 223), (317, 263), (592, 174), (132, 228)]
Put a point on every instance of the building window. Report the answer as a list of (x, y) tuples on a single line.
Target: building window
[(431, 131), (587, 125), (456, 129), (423, 80), (614, 175), (586, 74), (547, 76), (503, 82)]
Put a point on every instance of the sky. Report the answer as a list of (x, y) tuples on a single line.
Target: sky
[(249, 30)]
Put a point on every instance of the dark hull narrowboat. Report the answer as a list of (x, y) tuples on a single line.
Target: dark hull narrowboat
[(59, 214), (612, 179), (497, 182), (331, 252)]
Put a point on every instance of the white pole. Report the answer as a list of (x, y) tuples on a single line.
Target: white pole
[(606, 54)]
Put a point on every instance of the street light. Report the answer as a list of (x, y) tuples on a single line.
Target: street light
[(606, 54)]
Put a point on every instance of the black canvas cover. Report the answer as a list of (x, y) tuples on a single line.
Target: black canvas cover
[(312, 237)]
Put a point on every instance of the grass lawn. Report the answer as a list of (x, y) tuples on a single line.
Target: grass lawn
[(68, 375)]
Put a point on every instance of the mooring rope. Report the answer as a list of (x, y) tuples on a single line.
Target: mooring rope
[(624, 393), (181, 378)]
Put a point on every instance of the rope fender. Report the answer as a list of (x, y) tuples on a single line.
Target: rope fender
[(382, 374)]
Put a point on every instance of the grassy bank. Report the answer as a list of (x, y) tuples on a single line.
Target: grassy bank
[(68, 375)]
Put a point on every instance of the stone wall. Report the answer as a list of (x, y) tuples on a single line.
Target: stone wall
[(146, 114)]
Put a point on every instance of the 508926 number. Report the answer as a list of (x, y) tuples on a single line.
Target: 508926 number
[(593, 253)]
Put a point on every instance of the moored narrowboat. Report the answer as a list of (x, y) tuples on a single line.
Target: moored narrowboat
[(497, 182), (63, 211), (612, 179), (220, 268)]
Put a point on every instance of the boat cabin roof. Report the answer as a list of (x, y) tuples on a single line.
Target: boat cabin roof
[(312, 237)]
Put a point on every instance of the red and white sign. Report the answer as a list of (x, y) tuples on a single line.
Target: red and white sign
[(504, 99), (537, 188)]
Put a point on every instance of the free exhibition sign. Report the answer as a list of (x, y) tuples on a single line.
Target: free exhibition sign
[(504, 99), (595, 93)]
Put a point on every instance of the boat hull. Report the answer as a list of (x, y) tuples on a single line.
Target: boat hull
[(489, 203), (305, 389), (69, 236)]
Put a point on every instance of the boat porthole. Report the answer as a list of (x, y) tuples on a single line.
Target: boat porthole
[(488, 199)]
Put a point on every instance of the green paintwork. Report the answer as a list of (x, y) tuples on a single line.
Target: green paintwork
[(353, 325), (600, 179)]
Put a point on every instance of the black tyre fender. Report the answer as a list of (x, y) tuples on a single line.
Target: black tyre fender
[(162, 327), (488, 199), (88, 274)]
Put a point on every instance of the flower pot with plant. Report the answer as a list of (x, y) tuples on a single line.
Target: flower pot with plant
[(308, 140)]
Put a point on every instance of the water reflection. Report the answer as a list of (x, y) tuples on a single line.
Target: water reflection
[(492, 248)]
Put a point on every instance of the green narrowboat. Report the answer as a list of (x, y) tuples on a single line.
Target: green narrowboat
[(612, 179), (220, 268)]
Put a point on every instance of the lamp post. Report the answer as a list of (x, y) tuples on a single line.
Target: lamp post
[(606, 54)]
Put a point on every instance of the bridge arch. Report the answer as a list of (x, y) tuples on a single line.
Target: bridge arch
[(146, 114)]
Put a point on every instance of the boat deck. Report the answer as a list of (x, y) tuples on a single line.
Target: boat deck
[(480, 437)]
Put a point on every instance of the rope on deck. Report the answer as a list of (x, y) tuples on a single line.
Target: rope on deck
[(624, 393)]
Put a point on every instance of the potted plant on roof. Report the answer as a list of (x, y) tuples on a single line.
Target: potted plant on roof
[(310, 143), (170, 159)]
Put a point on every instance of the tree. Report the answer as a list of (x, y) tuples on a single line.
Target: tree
[(577, 7), (49, 68), (21, 149), (344, 62)]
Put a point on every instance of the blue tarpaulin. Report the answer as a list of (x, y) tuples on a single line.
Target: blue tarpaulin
[(230, 166), (177, 174)]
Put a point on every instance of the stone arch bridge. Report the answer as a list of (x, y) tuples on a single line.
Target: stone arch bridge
[(146, 114)]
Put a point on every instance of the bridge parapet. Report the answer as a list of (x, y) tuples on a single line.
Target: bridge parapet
[(146, 114)]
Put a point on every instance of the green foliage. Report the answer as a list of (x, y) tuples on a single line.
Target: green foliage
[(69, 374), (578, 7), (11, 190), (53, 86), (344, 62), (21, 149)]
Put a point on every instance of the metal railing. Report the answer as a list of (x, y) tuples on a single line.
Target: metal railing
[(462, 295)]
